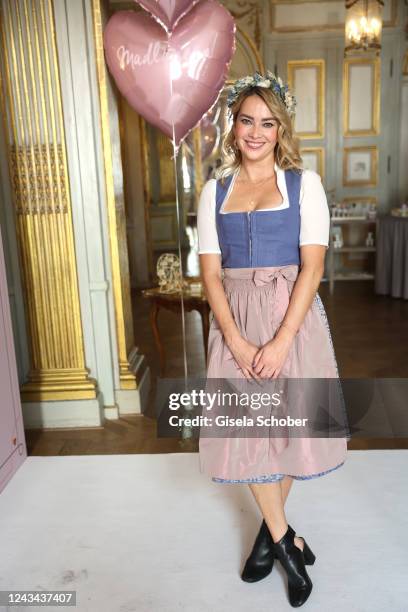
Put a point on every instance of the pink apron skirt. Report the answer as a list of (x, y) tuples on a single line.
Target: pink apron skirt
[(259, 298)]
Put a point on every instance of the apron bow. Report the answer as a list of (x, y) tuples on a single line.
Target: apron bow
[(282, 288)]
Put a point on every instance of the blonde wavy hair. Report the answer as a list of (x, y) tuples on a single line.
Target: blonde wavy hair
[(287, 154)]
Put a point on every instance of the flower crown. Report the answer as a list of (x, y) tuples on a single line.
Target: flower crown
[(270, 81)]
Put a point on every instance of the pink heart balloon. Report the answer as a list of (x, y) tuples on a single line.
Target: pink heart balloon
[(167, 12), (171, 80)]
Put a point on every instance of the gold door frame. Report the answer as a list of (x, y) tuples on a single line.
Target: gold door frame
[(120, 278)]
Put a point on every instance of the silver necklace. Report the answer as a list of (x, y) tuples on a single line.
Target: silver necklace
[(257, 183)]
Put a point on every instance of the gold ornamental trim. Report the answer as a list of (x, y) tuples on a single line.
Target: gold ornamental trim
[(62, 385), (35, 160)]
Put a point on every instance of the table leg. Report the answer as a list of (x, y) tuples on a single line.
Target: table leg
[(154, 311)]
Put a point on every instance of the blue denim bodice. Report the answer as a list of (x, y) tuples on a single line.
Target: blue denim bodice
[(260, 238)]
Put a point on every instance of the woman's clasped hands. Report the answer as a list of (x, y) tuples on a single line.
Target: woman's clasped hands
[(262, 362)]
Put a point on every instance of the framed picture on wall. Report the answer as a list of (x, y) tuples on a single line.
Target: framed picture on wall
[(360, 166), (361, 96), (313, 159), (306, 80)]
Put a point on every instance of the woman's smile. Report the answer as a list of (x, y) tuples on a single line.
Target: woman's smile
[(254, 145)]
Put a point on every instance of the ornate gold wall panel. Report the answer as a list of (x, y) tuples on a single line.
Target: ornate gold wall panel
[(33, 123), (117, 221), (315, 89), (370, 103)]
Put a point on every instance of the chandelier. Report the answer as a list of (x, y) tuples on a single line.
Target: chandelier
[(363, 25)]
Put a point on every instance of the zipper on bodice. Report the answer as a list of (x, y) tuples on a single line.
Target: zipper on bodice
[(250, 238)]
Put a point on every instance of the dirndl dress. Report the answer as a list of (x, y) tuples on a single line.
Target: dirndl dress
[(258, 299)]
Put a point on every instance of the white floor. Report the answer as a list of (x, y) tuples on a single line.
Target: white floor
[(149, 533)]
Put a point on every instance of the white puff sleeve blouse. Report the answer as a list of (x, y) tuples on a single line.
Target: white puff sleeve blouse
[(314, 211)]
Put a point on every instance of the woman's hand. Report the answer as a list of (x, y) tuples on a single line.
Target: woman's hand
[(244, 353), (270, 358)]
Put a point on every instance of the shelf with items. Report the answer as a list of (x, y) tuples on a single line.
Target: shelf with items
[(352, 235), (357, 209)]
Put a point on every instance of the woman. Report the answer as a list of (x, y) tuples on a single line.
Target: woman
[(265, 223)]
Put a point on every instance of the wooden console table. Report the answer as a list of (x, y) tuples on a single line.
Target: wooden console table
[(172, 301)]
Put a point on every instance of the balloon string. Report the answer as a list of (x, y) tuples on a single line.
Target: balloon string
[(183, 323)]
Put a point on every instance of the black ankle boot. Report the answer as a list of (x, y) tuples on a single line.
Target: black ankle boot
[(260, 562), (293, 562)]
